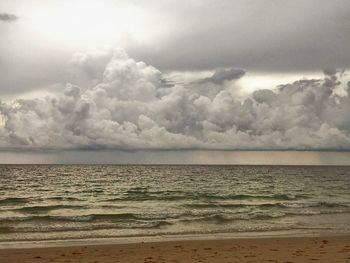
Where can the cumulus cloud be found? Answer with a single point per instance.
(129, 106)
(5, 17)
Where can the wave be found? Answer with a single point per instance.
(13, 201)
(89, 227)
(258, 215)
(224, 218)
(214, 205)
(232, 206)
(48, 208)
(249, 196)
(5, 229)
(121, 217)
(315, 205)
(144, 195)
(64, 198)
(254, 211)
(268, 205)
(147, 197)
(329, 205)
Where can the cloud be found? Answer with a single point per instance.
(224, 74)
(221, 79)
(260, 36)
(128, 106)
(5, 17)
(256, 35)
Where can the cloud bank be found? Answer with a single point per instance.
(126, 104)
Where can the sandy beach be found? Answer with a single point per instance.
(285, 249)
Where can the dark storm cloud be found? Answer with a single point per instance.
(222, 74)
(265, 36)
(330, 71)
(128, 108)
(220, 80)
(271, 35)
(5, 17)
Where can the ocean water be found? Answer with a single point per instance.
(58, 202)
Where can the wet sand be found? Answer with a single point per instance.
(290, 249)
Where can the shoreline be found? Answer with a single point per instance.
(28, 244)
(265, 249)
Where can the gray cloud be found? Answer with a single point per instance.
(259, 36)
(128, 107)
(224, 74)
(269, 35)
(5, 17)
(330, 71)
(221, 79)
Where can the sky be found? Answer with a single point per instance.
(239, 81)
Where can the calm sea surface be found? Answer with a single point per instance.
(54, 202)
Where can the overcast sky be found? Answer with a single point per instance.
(169, 77)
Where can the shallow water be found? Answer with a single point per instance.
(52, 202)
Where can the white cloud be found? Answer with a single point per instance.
(126, 105)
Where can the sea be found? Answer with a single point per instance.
(77, 202)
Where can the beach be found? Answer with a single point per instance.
(174, 132)
(277, 249)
